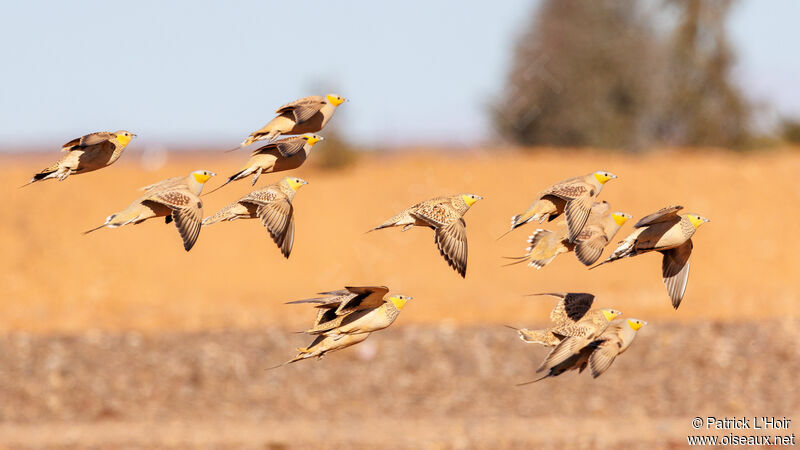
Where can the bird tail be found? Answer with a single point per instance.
(624, 250)
(219, 216)
(234, 177)
(533, 381)
(43, 175)
(105, 224)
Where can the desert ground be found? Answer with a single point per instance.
(122, 339)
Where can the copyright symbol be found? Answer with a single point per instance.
(697, 423)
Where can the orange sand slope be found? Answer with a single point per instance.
(139, 277)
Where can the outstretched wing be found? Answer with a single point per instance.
(675, 271)
(571, 308)
(277, 216)
(187, 213)
(452, 243)
(668, 214)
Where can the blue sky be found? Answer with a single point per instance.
(200, 72)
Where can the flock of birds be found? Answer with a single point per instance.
(579, 336)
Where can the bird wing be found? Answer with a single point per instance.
(187, 213)
(563, 351)
(452, 243)
(349, 299)
(263, 196)
(290, 146)
(577, 212)
(568, 189)
(277, 217)
(668, 214)
(571, 308)
(590, 244)
(302, 109)
(607, 348)
(435, 212)
(163, 183)
(88, 140)
(675, 271)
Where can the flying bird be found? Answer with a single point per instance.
(670, 234)
(600, 353)
(177, 199)
(348, 316)
(283, 154)
(578, 335)
(306, 115)
(572, 197)
(570, 317)
(87, 153)
(445, 216)
(600, 229)
(273, 205)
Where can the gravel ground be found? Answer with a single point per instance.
(411, 386)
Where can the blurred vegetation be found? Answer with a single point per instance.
(790, 130)
(625, 74)
(334, 152)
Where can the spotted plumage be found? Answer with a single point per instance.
(669, 233)
(572, 197)
(601, 352)
(272, 205)
(444, 215)
(177, 198)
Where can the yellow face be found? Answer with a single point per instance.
(312, 139)
(201, 176)
(620, 217)
(610, 314)
(603, 176)
(124, 137)
(336, 100)
(470, 199)
(399, 301)
(295, 183)
(697, 220)
(636, 323)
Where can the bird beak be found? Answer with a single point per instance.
(212, 174)
(320, 138)
(133, 135)
(305, 182)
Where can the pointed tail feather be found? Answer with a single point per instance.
(231, 178)
(532, 381)
(96, 228)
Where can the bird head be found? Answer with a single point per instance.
(399, 301)
(697, 220)
(123, 137)
(602, 176)
(610, 314)
(295, 183)
(201, 176)
(312, 138)
(635, 324)
(621, 217)
(470, 199)
(336, 100)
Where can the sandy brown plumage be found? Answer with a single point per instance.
(669, 233)
(601, 352)
(347, 316)
(572, 197)
(272, 205)
(86, 154)
(177, 199)
(444, 215)
(570, 309)
(277, 156)
(306, 115)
